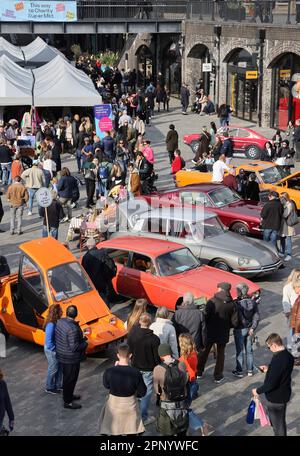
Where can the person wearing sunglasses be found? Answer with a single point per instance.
(277, 384)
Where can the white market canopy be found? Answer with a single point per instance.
(57, 83)
(15, 84)
(36, 53)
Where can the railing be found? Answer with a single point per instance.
(260, 11)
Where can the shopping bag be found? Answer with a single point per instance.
(264, 420)
(256, 413)
(251, 412)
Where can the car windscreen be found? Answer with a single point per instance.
(68, 280)
(272, 174)
(175, 262)
(223, 196)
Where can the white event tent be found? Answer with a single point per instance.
(15, 84)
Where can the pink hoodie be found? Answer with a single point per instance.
(148, 154)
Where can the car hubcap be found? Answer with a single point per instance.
(252, 152)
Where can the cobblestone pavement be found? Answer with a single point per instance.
(223, 406)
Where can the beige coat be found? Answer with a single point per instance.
(34, 177)
(121, 416)
(286, 230)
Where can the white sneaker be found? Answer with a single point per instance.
(29, 213)
(149, 420)
(64, 220)
(281, 255)
(73, 205)
(288, 258)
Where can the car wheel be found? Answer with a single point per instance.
(3, 330)
(253, 152)
(194, 146)
(221, 264)
(240, 228)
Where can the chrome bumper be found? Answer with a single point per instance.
(263, 270)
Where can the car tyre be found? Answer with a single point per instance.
(221, 264)
(253, 152)
(240, 228)
(194, 146)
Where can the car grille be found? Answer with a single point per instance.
(272, 266)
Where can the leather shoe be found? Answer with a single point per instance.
(76, 398)
(72, 406)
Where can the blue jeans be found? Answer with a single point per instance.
(79, 159)
(53, 232)
(6, 173)
(102, 188)
(195, 422)
(223, 122)
(192, 390)
(54, 374)
(286, 245)
(32, 192)
(271, 236)
(243, 342)
(47, 176)
(145, 401)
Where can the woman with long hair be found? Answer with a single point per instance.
(289, 297)
(287, 230)
(268, 153)
(213, 131)
(139, 308)
(189, 357)
(54, 374)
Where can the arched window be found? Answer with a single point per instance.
(242, 83)
(285, 90)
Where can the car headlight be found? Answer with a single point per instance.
(243, 260)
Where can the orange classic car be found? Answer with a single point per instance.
(269, 176)
(49, 274)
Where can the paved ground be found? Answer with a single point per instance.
(224, 406)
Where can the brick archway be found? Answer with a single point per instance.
(284, 48)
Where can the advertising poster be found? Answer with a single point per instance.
(38, 11)
(103, 119)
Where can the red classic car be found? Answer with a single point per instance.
(238, 215)
(245, 141)
(162, 271)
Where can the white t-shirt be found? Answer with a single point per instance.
(219, 169)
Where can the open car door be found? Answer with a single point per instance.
(31, 299)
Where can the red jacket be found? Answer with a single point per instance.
(176, 165)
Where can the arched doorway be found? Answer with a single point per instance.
(202, 66)
(242, 84)
(285, 89)
(171, 67)
(144, 65)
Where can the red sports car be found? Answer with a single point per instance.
(162, 271)
(245, 141)
(241, 216)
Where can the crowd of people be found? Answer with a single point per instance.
(163, 361)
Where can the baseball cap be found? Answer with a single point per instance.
(164, 350)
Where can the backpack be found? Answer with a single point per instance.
(245, 309)
(292, 219)
(103, 172)
(174, 384)
(109, 267)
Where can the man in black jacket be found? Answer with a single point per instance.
(218, 315)
(277, 384)
(143, 344)
(271, 215)
(172, 142)
(70, 351)
(188, 319)
(227, 147)
(55, 214)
